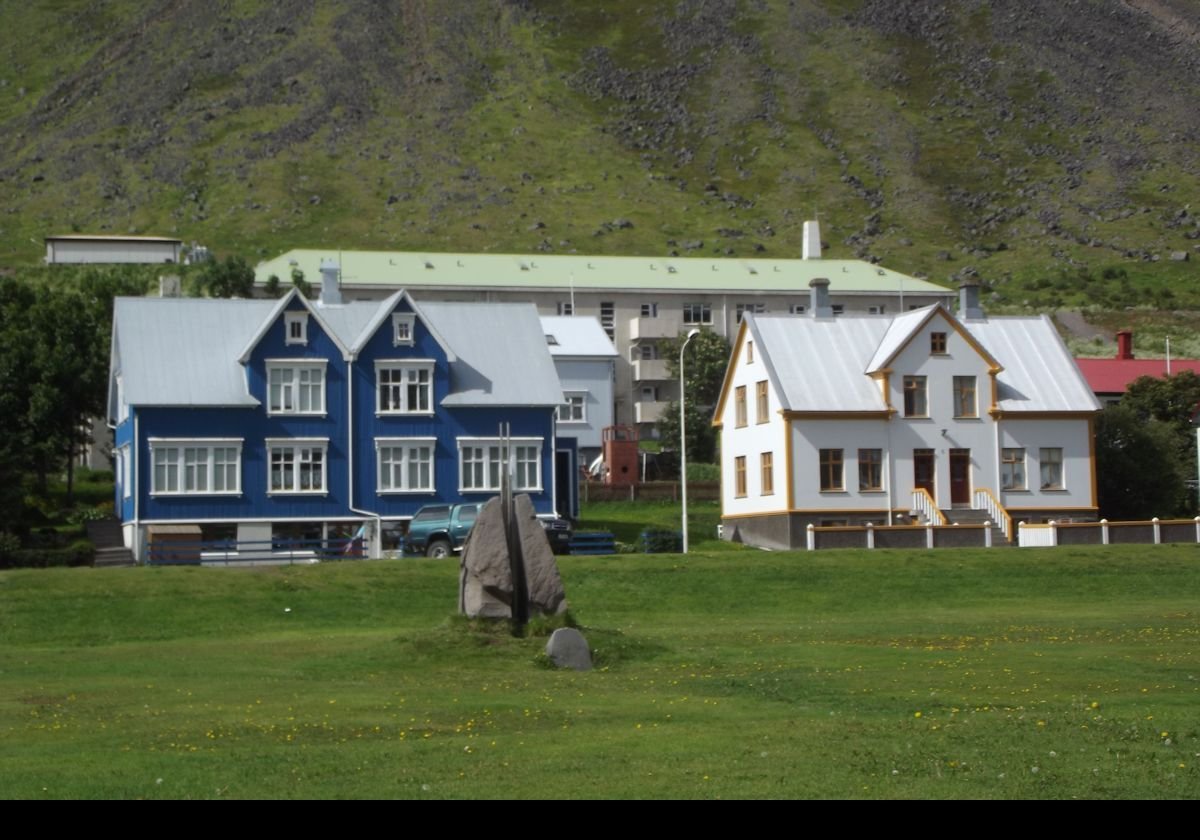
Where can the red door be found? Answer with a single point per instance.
(960, 477)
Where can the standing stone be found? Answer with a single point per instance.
(546, 594)
(485, 587)
(568, 648)
(485, 580)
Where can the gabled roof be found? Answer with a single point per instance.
(191, 351)
(576, 335)
(1114, 376)
(184, 351)
(824, 364)
(501, 354)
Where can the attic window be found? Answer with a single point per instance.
(402, 328)
(937, 343)
(296, 324)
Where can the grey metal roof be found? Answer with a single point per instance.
(576, 335)
(822, 364)
(818, 364)
(502, 358)
(183, 351)
(186, 351)
(1039, 372)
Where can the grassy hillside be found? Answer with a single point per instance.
(1056, 673)
(1015, 139)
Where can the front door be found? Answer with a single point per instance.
(923, 470)
(960, 477)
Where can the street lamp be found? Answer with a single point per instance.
(683, 437)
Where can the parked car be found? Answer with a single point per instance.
(440, 530)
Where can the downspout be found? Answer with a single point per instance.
(136, 539)
(350, 462)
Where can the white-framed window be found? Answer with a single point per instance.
(797, 309)
(402, 328)
(876, 309)
(1050, 460)
(565, 307)
(697, 313)
(297, 465)
(405, 465)
(649, 310)
(574, 407)
(608, 318)
(481, 461)
(295, 387)
(404, 387)
(296, 327)
(206, 466)
(1012, 469)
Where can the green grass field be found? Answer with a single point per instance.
(1009, 673)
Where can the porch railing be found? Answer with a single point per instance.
(986, 500)
(924, 504)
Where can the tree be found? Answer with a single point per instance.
(232, 278)
(704, 373)
(1139, 474)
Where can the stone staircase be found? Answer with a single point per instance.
(106, 536)
(968, 516)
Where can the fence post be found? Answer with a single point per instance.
(987, 533)
(812, 537)
(929, 536)
(1104, 531)
(1157, 531)
(870, 535)
(1053, 532)
(1018, 528)
(1198, 529)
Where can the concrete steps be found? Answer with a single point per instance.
(107, 537)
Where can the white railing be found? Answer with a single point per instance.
(924, 504)
(984, 500)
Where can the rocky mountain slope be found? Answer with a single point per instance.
(1049, 146)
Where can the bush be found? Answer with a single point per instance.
(78, 553)
(661, 541)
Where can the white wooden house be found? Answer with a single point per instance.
(925, 416)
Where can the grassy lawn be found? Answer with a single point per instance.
(1009, 673)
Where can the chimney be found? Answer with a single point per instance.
(968, 301)
(169, 285)
(331, 295)
(819, 305)
(1124, 344)
(811, 246)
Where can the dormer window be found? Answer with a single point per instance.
(937, 343)
(296, 324)
(402, 329)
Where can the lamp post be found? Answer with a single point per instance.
(683, 437)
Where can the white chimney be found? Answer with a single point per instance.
(331, 295)
(812, 241)
(969, 308)
(169, 285)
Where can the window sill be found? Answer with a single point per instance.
(1016, 490)
(874, 491)
(404, 414)
(494, 490)
(967, 417)
(427, 492)
(297, 492)
(1055, 490)
(835, 492)
(572, 422)
(297, 413)
(168, 494)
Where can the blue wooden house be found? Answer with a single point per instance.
(263, 422)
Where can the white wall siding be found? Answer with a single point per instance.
(595, 378)
(751, 441)
(810, 436)
(1074, 438)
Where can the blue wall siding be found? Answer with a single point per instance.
(447, 426)
(254, 426)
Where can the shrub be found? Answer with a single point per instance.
(661, 541)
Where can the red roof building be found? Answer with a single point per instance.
(1110, 378)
